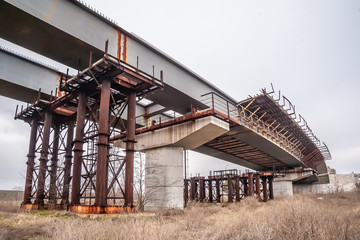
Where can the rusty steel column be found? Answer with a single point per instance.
(78, 149)
(67, 163)
(186, 191)
(210, 190)
(129, 158)
(271, 188)
(40, 192)
(251, 183)
(54, 162)
(237, 189)
(257, 185)
(265, 192)
(230, 190)
(192, 189)
(246, 187)
(201, 190)
(31, 161)
(217, 186)
(103, 145)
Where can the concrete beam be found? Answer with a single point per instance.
(188, 135)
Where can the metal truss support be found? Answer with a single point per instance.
(40, 193)
(31, 161)
(78, 149)
(103, 146)
(129, 158)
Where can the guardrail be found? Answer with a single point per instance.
(242, 116)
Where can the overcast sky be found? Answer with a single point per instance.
(309, 49)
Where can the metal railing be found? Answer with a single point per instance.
(240, 115)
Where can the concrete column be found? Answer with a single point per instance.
(164, 179)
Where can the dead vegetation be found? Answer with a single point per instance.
(301, 217)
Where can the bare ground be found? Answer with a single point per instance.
(300, 217)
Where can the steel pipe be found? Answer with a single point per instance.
(31, 161)
(130, 141)
(103, 145)
(40, 193)
(78, 148)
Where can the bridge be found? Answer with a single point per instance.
(128, 94)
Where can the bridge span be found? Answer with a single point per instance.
(131, 95)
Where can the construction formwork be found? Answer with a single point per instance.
(72, 162)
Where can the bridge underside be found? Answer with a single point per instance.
(249, 149)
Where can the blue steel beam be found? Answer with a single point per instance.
(67, 31)
(21, 78)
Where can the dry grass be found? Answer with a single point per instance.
(300, 217)
(10, 206)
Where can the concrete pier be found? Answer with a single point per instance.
(283, 186)
(164, 178)
(164, 158)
